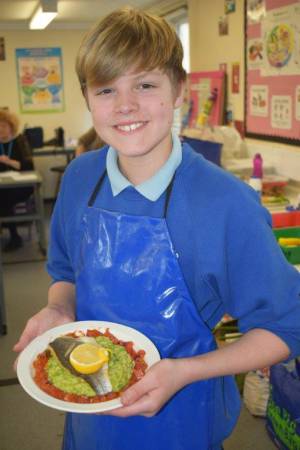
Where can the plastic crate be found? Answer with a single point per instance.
(292, 254)
(286, 219)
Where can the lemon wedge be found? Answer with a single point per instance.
(88, 358)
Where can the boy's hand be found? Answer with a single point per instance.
(148, 396)
(48, 317)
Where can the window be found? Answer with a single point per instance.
(179, 20)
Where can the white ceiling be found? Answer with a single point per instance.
(15, 14)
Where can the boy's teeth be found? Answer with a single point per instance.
(131, 127)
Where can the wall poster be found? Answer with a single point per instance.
(272, 59)
(40, 79)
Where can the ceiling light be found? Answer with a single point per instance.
(44, 14)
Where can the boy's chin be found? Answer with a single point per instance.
(131, 152)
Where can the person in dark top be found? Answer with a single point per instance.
(15, 154)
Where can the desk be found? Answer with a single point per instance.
(69, 152)
(48, 158)
(25, 179)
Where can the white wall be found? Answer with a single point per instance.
(76, 118)
(208, 49)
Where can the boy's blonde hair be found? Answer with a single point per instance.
(11, 119)
(129, 38)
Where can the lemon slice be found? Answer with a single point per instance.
(88, 358)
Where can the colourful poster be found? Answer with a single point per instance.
(281, 36)
(281, 112)
(40, 79)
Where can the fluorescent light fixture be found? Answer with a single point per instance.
(44, 14)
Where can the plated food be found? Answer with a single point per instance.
(88, 367)
(85, 366)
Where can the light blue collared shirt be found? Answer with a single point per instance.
(156, 185)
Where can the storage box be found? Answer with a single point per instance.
(286, 219)
(292, 254)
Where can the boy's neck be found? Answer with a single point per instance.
(139, 169)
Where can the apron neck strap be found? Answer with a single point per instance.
(96, 189)
(168, 196)
(99, 184)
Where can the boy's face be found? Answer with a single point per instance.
(134, 114)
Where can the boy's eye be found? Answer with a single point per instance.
(104, 91)
(146, 86)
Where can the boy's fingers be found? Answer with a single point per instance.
(26, 337)
(17, 346)
(140, 407)
(135, 392)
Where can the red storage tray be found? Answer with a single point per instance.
(286, 219)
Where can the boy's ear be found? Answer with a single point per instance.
(179, 97)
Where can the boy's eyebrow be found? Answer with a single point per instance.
(135, 76)
(146, 73)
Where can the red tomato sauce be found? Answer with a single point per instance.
(41, 376)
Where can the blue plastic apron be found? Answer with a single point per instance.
(128, 272)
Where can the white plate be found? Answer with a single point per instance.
(25, 370)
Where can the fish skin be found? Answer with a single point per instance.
(63, 346)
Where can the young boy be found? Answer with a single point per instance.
(148, 234)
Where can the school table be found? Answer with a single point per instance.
(50, 160)
(10, 180)
(69, 152)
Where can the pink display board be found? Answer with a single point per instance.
(273, 70)
(206, 96)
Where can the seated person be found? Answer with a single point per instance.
(89, 141)
(15, 154)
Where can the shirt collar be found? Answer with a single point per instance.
(152, 188)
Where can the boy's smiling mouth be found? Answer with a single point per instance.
(130, 127)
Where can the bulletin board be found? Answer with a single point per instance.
(201, 86)
(272, 61)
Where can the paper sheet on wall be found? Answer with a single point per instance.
(259, 95)
(255, 54)
(281, 112)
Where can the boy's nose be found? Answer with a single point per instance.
(126, 103)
